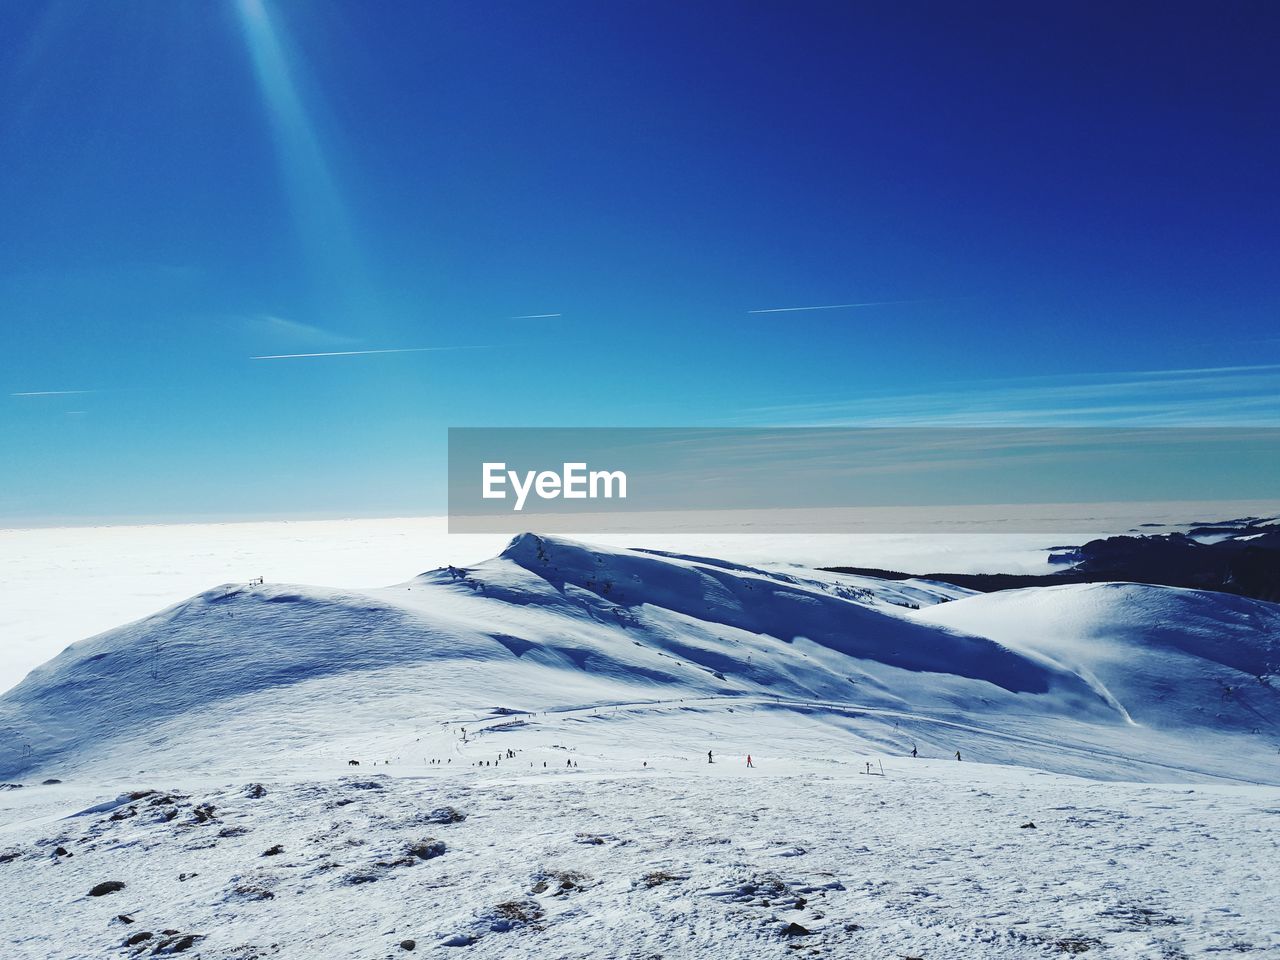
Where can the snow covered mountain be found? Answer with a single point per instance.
(512, 760)
(1111, 681)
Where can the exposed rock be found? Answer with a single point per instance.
(427, 849)
(251, 891)
(514, 913)
(445, 815)
(655, 878)
(560, 882)
(177, 943)
(107, 886)
(408, 944)
(203, 813)
(1075, 945)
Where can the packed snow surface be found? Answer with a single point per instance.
(532, 737)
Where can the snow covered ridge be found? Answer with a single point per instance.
(1110, 681)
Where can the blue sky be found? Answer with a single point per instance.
(1062, 216)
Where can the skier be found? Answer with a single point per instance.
(709, 760)
(913, 750)
(749, 763)
(957, 754)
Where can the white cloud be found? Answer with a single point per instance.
(297, 330)
(1228, 395)
(361, 353)
(839, 306)
(50, 393)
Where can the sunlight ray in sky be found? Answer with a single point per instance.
(321, 219)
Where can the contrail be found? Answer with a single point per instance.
(536, 316)
(838, 306)
(361, 353)
(50, 393)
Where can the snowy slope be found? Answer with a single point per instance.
(1167, 658)
(677, 859)
(269, 674)
(548, 624)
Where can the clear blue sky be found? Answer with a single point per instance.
(1077, 204)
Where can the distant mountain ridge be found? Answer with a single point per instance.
(1238, 557)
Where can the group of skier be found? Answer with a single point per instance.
(915, 754)
(510, 754)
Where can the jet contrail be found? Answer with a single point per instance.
(536, 316)
(50, 393)
(361, 353)
(838, 306)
